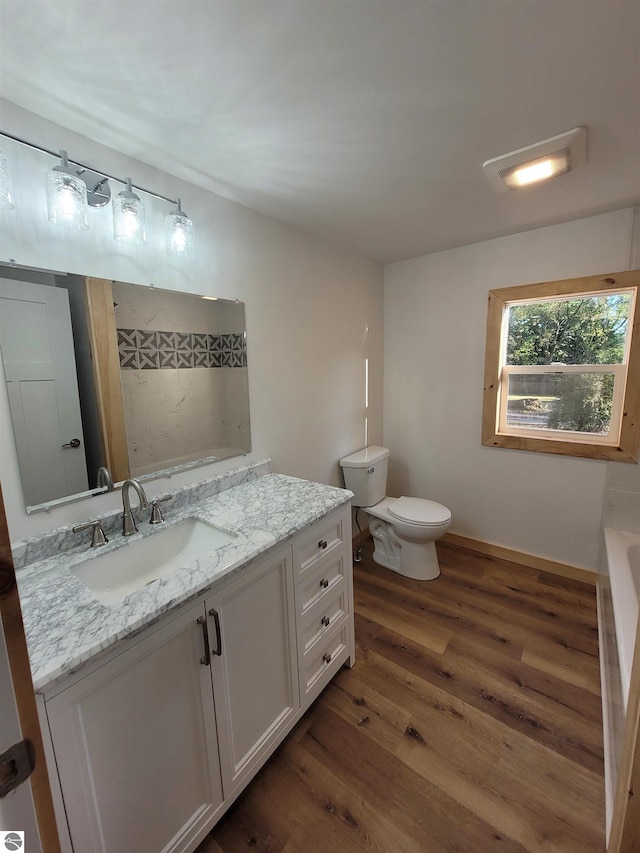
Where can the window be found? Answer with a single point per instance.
(562, 367)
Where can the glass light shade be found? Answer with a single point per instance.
(66, 197)
(129, 218)
(179, 230)
(6, 202)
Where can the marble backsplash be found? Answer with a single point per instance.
(33, 549)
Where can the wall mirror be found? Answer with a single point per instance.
(139, 380)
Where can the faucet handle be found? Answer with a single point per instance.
(156, 513)
(98, 536)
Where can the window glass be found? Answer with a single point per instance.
(573, 402)
(586, 330)
(555, 338)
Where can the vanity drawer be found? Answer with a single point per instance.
(325, 537)
(322, 619)
(322, 663)
(320, 585)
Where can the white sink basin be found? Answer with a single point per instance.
(113, 576)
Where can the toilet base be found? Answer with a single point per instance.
(417, 560)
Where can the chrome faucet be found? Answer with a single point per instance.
(128, 522)
(104, 479)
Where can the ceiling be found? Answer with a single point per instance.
(366, 122)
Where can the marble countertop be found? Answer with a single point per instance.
(66, 626)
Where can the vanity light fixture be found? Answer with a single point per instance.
(179, 232)
(539, 162)
(73, 187)
(129, 217)
(6, 202)
(66, 196)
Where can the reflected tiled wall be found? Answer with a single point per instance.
(183, 368)
(140, 349)
(622, 499)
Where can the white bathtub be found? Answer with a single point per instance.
(618, 608)
(623, 560)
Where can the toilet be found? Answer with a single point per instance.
(404, 529)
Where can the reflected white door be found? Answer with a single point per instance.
(17, 813)
(40, 370)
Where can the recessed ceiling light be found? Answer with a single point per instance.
(539, 162)
(536, 170)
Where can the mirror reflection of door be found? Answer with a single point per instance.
(40, 371)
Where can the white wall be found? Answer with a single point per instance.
(313, 311)
(434, 339)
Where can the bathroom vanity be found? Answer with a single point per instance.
(158, 709)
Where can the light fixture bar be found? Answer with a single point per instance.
(56, 154)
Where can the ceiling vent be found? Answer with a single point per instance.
(538, 162)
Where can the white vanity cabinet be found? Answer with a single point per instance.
(136, 746)
(156, 741)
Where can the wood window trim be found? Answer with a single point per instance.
(628, 448)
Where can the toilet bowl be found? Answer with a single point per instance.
(404, 529)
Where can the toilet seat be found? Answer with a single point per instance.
(419, 511)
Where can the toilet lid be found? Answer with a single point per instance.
(419, 511)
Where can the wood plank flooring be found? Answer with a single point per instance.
(471, 723)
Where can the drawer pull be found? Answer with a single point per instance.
(326, 657)
(322, 544)
(324, 583)
(325, 621)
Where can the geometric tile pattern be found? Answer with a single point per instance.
(143, 350)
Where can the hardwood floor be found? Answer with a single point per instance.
(471, 722)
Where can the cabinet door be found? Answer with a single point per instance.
(255, 676)
(135, 746)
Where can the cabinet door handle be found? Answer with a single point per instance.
(326, 657)
(325, 621)
(324, 583)
(216, 623)
(322, 544)
(205, 660)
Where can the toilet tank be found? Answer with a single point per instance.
(365, 474)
